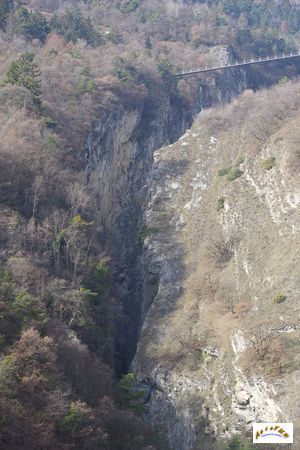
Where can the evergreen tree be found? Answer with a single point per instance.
(5, 7)
(24, 72)
(166, 68)
(129, 397)
(73, 26)
(239, 443)
(31, 24)
(148, 44)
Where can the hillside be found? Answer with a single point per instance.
(220, 341)
(87, 94)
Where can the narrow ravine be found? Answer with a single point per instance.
(119, 154)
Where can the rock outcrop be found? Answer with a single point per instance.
(221, 273)
(119, 154)
(205, 268)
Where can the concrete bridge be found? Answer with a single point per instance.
(243, 63)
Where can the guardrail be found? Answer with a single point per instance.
(240, 64)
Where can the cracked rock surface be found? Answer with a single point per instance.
(220, 336)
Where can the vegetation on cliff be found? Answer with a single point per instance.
(222, 328)
(61, 64)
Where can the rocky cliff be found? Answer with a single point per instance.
(119, 153)
(203, 243)
(218, 348)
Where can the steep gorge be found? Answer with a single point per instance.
(119, 154)
(219, 345)
(137, 236)
(194, 386)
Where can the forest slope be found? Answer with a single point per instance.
(63, 66)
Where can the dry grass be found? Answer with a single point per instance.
(268, 354)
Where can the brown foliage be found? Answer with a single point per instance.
(34, 360)
(221, 250)
(267, 351)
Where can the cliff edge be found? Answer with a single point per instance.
(219, 344)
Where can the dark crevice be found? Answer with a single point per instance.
(160, 122)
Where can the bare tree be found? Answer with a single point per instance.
(211, 286)
(261, 341)
(222, 250)
(230, 305)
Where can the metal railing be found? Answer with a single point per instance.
(240, 64)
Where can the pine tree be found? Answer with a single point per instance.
(5, 8)
(31, 24)
(72, 25)
(24, 72)
(148, 44)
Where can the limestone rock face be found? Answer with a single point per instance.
(119, 153)
(220, 330)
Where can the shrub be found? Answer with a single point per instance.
(77, 417)
(99, 278)
(27, 308)
(125, 70)
(240, 161)
(148, 43)
(166, 68)
(85, 84)
(221, 203)
(102, 267)
(114, 36)
(9, 323)
(239, 443)
(234, 174)
(17, 310)
(284, 80)
(243, 37)
(77, 221)
(51, 141)
(129, 6)
(8, 377)
(128, 397)
(50, 122)
(269, 163)
(75, 53)
(231, 8)
(280, 298)
(224, 171)
(145, 232)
